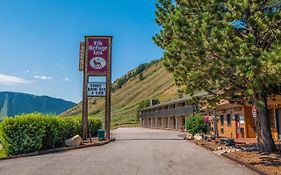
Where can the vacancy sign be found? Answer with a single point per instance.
(99, 50)
(96, 89)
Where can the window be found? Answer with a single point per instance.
(222, 130)
(222, 119)
(228, 118)
(242, 119)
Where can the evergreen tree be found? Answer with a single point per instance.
(230, 49)
(141, 105)
(141, 76)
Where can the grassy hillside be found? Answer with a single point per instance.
(156, 83)
(12, 103)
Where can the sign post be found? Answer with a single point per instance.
(97, 62)
(85, 97)
(82, 56)
(108, 101)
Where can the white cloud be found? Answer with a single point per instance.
(12, 80)
(66, 79)
(43, 77)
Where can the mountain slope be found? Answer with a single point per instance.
(155, 83)
(13, 103)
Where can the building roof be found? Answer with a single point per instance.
(181, 100)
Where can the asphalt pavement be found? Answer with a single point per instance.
(136, 151)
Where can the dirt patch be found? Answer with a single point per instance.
(269, 163)
(211, 145)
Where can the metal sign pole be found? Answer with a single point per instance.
(85, 96)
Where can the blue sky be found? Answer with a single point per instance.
(39, 41)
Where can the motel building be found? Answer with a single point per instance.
(233, 120)
(237, 121)
(170, 115)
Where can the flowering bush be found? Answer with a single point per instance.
(206, 119)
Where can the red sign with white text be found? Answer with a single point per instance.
(98, 55)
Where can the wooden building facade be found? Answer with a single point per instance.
(237, 121)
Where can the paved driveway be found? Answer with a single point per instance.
(135, 151)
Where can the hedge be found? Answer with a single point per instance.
(195, 124)
(33, 132)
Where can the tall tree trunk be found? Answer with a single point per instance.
(264, 136)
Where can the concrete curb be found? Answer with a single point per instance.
(206, 147)
(249, 166)
(203, 145)
(56, 150)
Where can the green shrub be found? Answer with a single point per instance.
(141, 105)
(35, 131)
(195, 124)
(93, 125)
(2, 153)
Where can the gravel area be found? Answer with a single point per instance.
(269, 163)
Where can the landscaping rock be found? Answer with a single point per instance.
(213, 137)
(227, 141)
(189, 136)
(219, 152)
(208, 137)
(250, 148)
(198, 137)
(74, 141)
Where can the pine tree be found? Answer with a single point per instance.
(230, 49)
(141, 76)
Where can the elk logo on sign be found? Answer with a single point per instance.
(97, 62)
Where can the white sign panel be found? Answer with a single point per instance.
(96, 89)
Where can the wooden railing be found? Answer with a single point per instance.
(185, 110)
